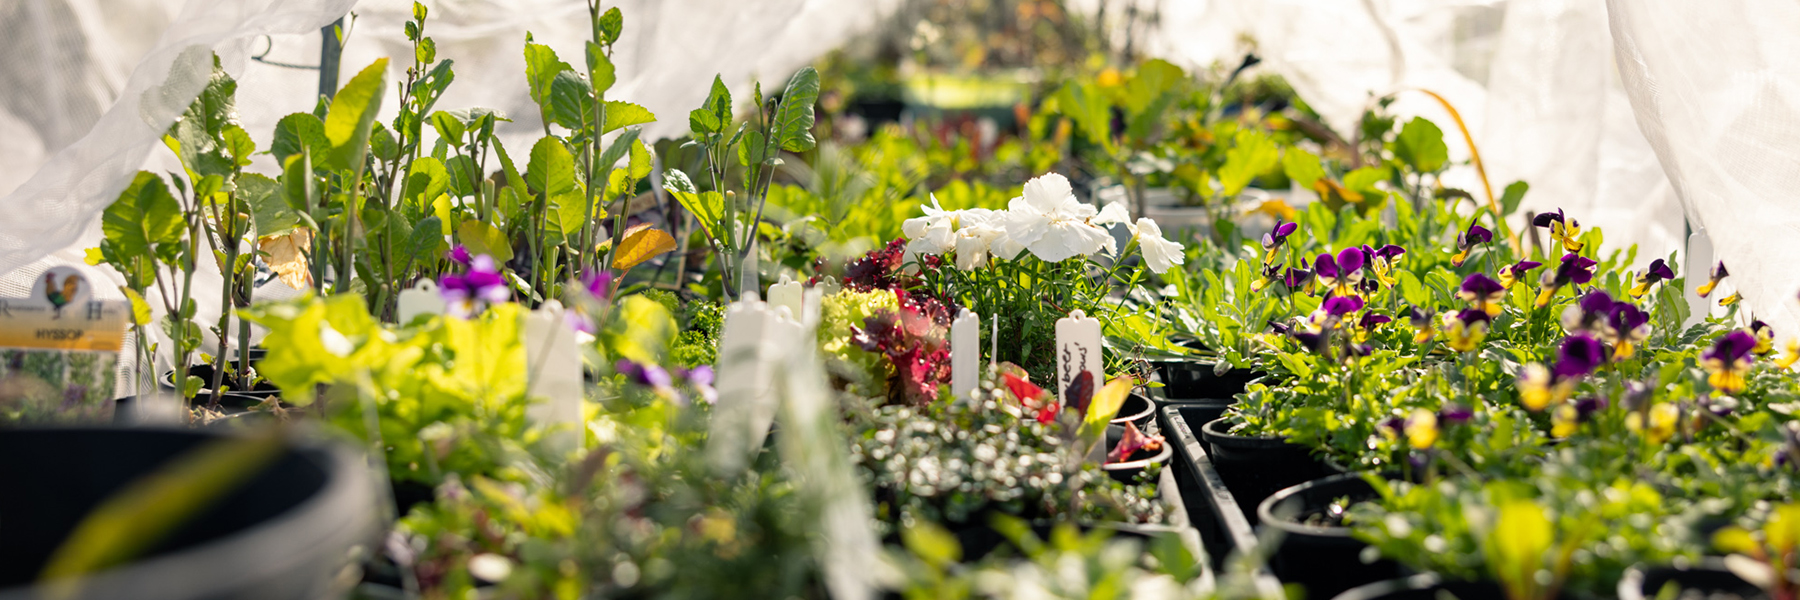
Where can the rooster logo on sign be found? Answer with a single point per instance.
(60, 296)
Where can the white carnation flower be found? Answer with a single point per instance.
(1051, 223)
(1160, 253)
(934, 233)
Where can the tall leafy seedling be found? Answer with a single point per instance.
(783, 124)
(146, 235)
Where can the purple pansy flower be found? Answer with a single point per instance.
(644, 374)
(1466, 242)
(1278, 236)
(1454, 414)
(1483, 292)
(470, 292)
(1579, 355)
(459, 255)
(1341, 273)
(1512, 273)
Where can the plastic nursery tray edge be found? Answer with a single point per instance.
(1224, 506)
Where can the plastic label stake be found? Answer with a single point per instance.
(553, 368)
(421, 299)
(59, 346)
(787, 293)
(965, 353)
(1077, 350)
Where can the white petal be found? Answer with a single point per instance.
(1113, 213)
(1047, 191)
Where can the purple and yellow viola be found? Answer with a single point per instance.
(1340, 274)
(1574, 269)
(1562, 229)
(1515, 272)
(1483, 293)
(1468, 240)
(1728, 361)
(1658, 272)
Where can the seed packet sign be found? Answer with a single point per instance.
(58, 351)
(1077, 350)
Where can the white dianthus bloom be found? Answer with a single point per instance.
(934, 233)
(1051, 223)
(973, 244)
(1160, 253)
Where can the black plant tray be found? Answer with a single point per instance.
(1224, 530)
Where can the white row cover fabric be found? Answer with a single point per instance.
(1535, 80)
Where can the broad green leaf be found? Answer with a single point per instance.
(352, 114)
(427, 239)
(198, 138)
(600, 68)
(1421, 146)
(427, 52)
(269, 210)
(751, 151)
(427, 180)
(297, 130)
(1363, 180)
(572, 101)
(1101, 410)
(625, 114)
(794, 119)
(551, 173)
(1301, 166)
(931, 543)
(143, 217)
(708, 208)
(1515, 193)
(541, 67)
(1252, 153)
(1517, 543)
(140, 309)
(640, 330)
(449, 126)
(238, 145)
(611, 23)
(1089, 108)
(481, 238)
(715, 114)
(640, 244)
(618, 149)
(623, 182)
(382, 143)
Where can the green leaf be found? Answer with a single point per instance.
(1090, 110)
(794, 119)
(352, 114)
(1516, 546)
(145, 214)
(449, 126)
(269, 210)
(640, 330)
(715, 114)
(1509, 200)
(611, 23)
(600, 68)
(382, 143)
(427, 239)
(1421, 146)
(297, 130)
(931, 543)
(625, 114)
(541, 67)
(1252, 153)
(751, 151)
(708, 208)
(427, 52)
(1302, 167)
(482, 238)
(572, 101)
(551, 173)
(427, 180)
(1363, 180)
(238, 145)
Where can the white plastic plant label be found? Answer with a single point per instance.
(786, 293)
(421, 299)
(965, 353)
(553, 365)
(754, 344)
(1077, 349)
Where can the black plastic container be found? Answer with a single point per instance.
(1256, 467)
(1427, 586)
(1211, 509)
(1314, 550)
(1710, 577)
(1190, 379)
(284, 534)
(1136, 409)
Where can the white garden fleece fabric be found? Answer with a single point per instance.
(1645, 117)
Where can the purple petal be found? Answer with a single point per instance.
(1420, 317)
(1731, 347)
(1519, 268)
(1373, 319)
(1471, 316)
(1579, 355)
(1286, 229)
(1544, 219)
(1351, 260)
(1590, 405)
(1481, 286)
(1597, 302)
(459, 255)
(701, 375)
(1453, 413)
(483, 264)
(1339, 306)
(1661, 269)
(1326, 266)
(1477, 235)
(1389, 252)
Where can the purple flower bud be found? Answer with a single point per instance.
(1660, 270)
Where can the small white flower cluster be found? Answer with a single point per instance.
(1047, 220)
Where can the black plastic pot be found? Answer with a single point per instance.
(1188, 379)
(1427, 586)
(1321, 556)
(1710, 578)
(1224, 529)
(1136, 409)
(1127, 471)
(284, 534)
(1255, 467)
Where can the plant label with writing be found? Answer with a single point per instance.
(1077, 350)
(421, 299)
(59, 347)
(965, 353)
(553, 367)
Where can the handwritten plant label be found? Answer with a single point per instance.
(58, 350)
(965, 353)
(1077, 350)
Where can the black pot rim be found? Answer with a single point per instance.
(1149, 409)
(168, 381)
(1631, 585)
(1265, 511)
(1371, 591)
(1168, 451)
(341, 513)
(1213, 435)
